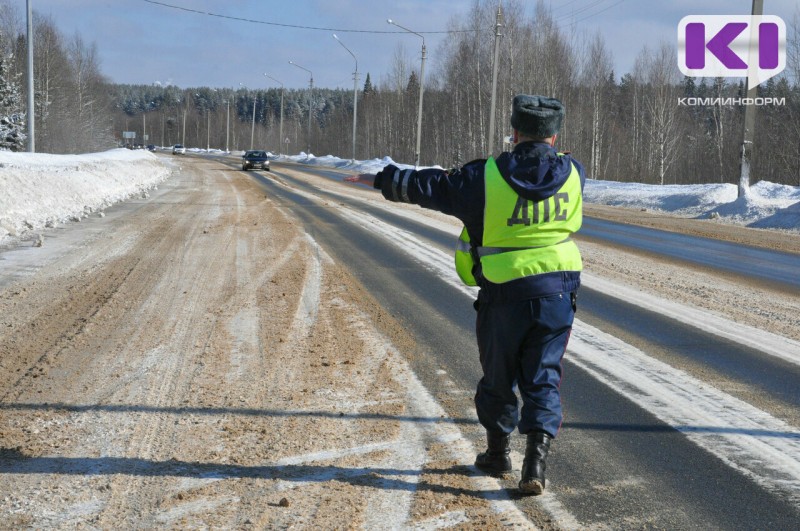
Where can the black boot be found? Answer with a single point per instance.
(495, 460)
(533, 466)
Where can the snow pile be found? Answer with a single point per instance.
(767, 205)
(39, 190)
(358, 166)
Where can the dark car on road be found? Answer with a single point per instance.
(255, 159)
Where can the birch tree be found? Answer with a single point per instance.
(662, 109)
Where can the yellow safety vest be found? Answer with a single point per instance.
(520, 237)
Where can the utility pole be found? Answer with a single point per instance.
(749, 110)
(31, 113)
(310, 90)
(497, 35)
(253, 127)
(355, 94)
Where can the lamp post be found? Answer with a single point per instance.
(355, 94)
(147, 107)
(497, 35)
(228, 126)
(310, 89)
(253, 124)
(31, 112)
(208, 117)
(421, 87)
(280, 127)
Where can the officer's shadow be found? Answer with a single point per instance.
(13, 461)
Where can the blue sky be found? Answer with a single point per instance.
(143, 42)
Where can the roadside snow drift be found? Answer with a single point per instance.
(40, 190)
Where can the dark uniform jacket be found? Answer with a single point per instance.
(533, 170)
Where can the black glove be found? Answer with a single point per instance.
(386, 173)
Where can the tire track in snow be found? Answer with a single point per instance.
(391, 502)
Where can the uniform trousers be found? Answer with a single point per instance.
(521, 346)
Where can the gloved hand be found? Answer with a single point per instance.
(386, 173)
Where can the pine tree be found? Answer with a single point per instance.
(12, 119)
(413, 84)
(368, 88)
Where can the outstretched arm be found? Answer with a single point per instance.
(363, 178)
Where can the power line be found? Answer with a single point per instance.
(587, 17)
(295, 26)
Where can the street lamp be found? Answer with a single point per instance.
(31, 112)
(228, 126)
(355, 95)
(310, 89)
(497, 35)
(280, 128)
(144, 124)
(421, 85)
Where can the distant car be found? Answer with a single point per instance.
(151, 147)
(178, 149)
(255, 158)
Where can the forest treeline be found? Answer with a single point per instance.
(650, 125)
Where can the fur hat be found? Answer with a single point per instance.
(537, 116)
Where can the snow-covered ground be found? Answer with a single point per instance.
(39, 191)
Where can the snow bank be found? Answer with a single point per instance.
(767, 205)
(40, 190)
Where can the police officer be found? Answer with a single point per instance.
(519, 211)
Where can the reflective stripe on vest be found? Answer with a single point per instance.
(534, 236)
(464, 260)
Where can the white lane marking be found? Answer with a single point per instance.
(757, 339)
(749, 440)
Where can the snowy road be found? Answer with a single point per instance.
(266, 350)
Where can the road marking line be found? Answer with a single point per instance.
(755, 338)
(747, 439)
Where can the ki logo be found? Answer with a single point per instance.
(732, 46)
